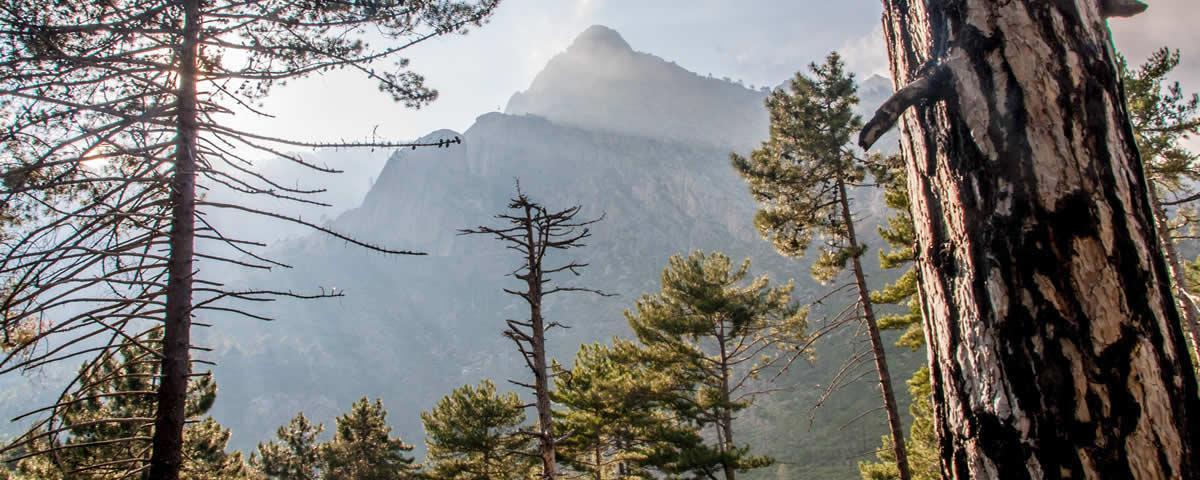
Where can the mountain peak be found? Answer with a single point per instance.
(601, 83)
(599, 38)
(876, 81)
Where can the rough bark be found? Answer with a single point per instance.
(1183, 300)
(895, 427)
(1055, 346)
(167, 445)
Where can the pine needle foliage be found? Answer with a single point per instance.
(719, 330)
(474, 434)
(363, 448)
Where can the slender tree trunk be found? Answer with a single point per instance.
(881, 366)
(542, 391)
(1187, 309)
(541, 383)
(167, 445)
(726, 414)
(727, 429)
(596, 452)
(1055, 346)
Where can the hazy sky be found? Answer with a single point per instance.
(759, 41)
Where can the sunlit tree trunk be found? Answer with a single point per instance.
(1055, 345)
(167, 447)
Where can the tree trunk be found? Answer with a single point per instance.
(1187, 309)
(895, 427)
(726, 415)
(727, 429)
(599, 471)
(541, 383)
(1055, 346)
(542, 390)
(167, 445)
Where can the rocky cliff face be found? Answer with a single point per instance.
(625, 134)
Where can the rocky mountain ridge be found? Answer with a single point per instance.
(652, 159)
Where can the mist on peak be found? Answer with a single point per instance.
(600, 82)
(600, 39)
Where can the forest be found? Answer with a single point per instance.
(997, 257)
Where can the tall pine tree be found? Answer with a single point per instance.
(117, 113)
(801, 177)
(1163, 117)
(1054, 338)
(899, 234)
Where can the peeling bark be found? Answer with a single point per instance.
(1055, 345)
(166, 456)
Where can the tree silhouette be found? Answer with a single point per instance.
(534, 231)
(116, 117)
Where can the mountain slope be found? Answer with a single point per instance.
(411, 328)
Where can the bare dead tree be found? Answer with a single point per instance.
(533, 231)
(1054, 341)
(115, 122)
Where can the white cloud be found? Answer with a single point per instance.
(866, 55)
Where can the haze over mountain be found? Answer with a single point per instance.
(601, 83)
(629, 136)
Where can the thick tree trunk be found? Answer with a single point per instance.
(1054, 343)
(895, 427)
(1187, 308)
(166, 455)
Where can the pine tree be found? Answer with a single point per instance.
(1160, 119)
(801, 177)
(706, 327)
(1163, 118)
(620, 413)
(900, 237)
(204, 454)
(1055, 341)
(922, 439)
(146, 89)
(121, 386)
(295, 454)
(363, 448)
(474, 434)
